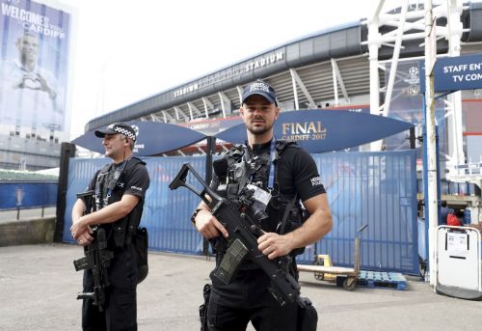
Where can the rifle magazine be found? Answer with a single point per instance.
(232, 259)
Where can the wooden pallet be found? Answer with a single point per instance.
(378, 279)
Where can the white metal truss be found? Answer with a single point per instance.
(298, 82)
(207, 106)
(193, 109)
(338, 80)
(167, 117)
(225, 103)
(295, 91)
(240, 94)
(180, 112)
(410, 25)
(156, 118)
(396, 54)
(151, 118)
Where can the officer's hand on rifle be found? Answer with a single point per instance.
(274, 245)
(85, 239)
(208, 225)
(81, 232)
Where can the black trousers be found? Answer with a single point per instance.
(120, 310)
(231, 307)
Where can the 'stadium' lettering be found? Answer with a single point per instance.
(261, 62)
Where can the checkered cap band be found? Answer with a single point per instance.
(116, 128)
(125, 132)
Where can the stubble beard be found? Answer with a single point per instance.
(259, 130)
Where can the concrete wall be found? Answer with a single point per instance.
(27, 232)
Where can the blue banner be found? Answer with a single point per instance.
(153, 138)
(320, 131)
(210, 127)
(27, 195)
(34, 66)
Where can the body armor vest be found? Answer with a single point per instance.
(109, 189)
(239, 169)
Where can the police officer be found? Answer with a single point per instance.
(284, 173)
(120, 189)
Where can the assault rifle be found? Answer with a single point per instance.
(89, 200)
(243, 234)
(97, 259)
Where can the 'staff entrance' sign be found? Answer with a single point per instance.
(455, 73)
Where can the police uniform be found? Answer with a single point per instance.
(120, 311)
(247, 297)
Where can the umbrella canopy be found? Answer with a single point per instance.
(320, 131)
(152, 138)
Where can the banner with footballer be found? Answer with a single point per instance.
(34, 63)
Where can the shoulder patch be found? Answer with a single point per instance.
(316, 181)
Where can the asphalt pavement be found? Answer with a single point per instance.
(39, 285)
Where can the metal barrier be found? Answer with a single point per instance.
(378, 189)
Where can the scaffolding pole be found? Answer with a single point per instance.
(430, 168)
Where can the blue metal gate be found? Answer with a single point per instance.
(378, 189)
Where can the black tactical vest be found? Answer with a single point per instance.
(109, 188)
(238, 169)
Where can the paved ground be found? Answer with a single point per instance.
(38, 287)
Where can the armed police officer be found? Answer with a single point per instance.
(282, 174)
(120, 189)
